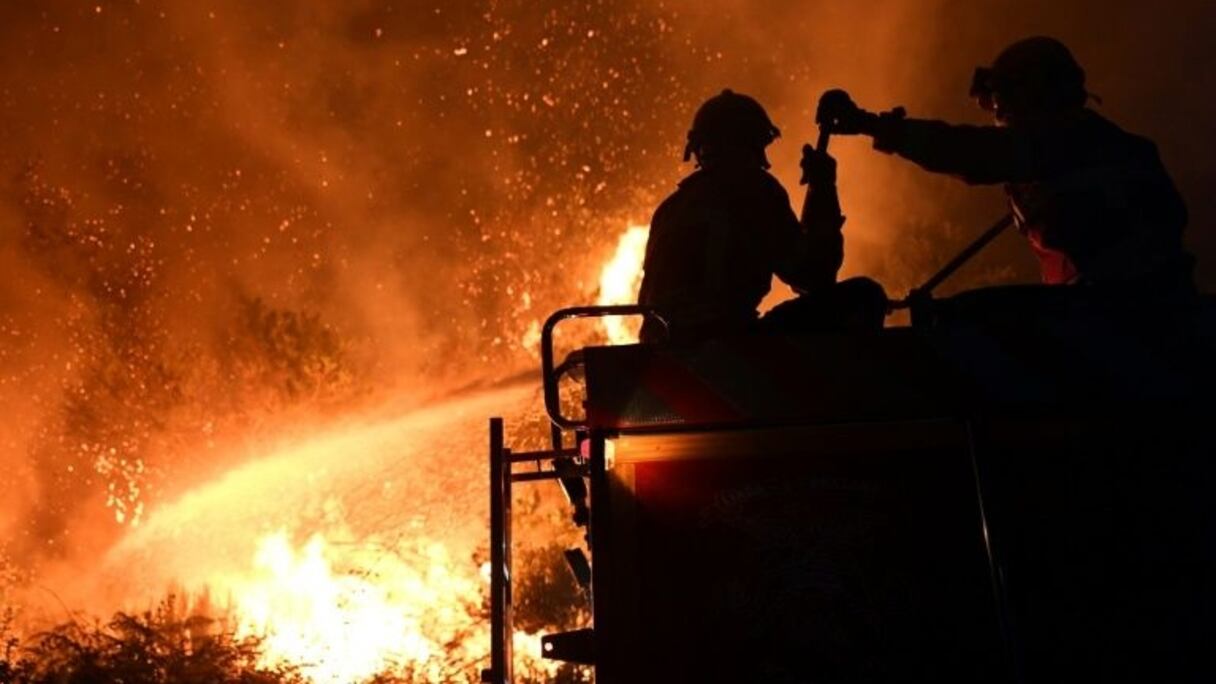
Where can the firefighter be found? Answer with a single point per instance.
(1094, 202)
(717, 241)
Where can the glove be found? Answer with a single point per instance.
(818, 168)
(842, 116)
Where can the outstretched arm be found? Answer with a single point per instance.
(977, 154)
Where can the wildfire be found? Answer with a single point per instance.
(348, 614)
(620, 279)
(351, 553)
(350, 625)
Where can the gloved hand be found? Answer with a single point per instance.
(842, 116)
(818, 168)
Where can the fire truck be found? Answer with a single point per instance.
(1017, 487)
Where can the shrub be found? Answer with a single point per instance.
(161, 646)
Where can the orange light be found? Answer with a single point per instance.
(323, 592)
(620, 280)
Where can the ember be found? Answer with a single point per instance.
(254, 256)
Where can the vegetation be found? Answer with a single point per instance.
(161, 646)
(173, 644)
(292, 352)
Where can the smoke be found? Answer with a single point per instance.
(218, 214)
(1151, 66)
(213, 215)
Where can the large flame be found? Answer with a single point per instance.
(620, 279)
(351, 553)
(377, 614)
(346, 614)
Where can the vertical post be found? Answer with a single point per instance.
(500, 559)
(598, 533)
(996, 576)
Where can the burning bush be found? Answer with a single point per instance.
(176, 643)
(293, 352)
(167, 644)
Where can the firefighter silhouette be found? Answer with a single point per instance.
(1094, 202)
(717, 241)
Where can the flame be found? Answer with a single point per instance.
(620, 279)
(351, 552)
(348, 626)
(349, 614)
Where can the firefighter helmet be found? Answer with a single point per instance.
(730, 119)
(1037, 72)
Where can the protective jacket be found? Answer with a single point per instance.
(716, 243)
(1094, 201)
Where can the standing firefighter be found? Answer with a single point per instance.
(1094, 201)
(716, 242)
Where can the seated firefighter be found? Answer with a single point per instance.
(716, 242)
(1094, 202)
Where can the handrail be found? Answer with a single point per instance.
(551, 375)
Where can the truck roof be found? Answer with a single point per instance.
(1010, 349)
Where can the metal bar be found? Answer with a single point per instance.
(521, 456)
(574, 472)
(825, 136)
(964, 256)
(996, 572)
(508, 569)
(535, 477)
(599, 539)
(500, 559)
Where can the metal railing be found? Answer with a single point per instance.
(552, 374)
